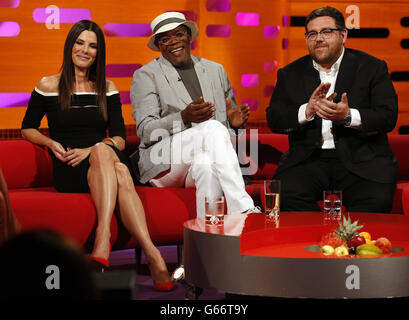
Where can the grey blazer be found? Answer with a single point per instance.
(158, 96)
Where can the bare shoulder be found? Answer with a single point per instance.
(111, 86)
(49, 84)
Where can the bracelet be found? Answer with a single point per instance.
(112, 140)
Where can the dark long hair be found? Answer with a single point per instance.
(96, 72)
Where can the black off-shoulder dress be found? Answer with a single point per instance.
(81, 126)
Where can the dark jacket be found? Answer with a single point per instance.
(369, 89)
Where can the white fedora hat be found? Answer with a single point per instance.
(168, 21)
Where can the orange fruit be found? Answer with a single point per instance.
(367, 237)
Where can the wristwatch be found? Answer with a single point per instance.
(347, 119)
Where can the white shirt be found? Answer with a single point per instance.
(329, 77)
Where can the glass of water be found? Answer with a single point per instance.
(333, 202)
(214, 210)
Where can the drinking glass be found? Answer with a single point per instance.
(333, 202)
(272, 197)
(214, 210)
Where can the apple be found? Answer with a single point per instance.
(341, 251)
(356, 241)
(384, 244)
(327, 250)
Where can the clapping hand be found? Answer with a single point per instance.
(324, 107)
(319, 93)
(237, 116)
(328, 110)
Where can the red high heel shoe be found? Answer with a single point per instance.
(162, 286)
(99, 264)
(165, 286)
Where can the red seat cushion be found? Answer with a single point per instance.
(74, 215)
(25, 164)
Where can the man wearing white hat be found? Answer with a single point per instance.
(184, 108)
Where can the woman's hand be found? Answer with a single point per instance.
(75, 156)
(58, 150)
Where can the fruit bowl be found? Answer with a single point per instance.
(346, 241)
(317, 248)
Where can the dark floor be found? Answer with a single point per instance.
(124, 261)
(122, 265)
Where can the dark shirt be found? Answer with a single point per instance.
(190, 80)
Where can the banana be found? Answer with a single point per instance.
(366, 249)
(367, 253)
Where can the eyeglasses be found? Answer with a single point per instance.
(326, 34)
(165, 40)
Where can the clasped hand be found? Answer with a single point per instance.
(199, 111)
(324, 107)
(72, 156)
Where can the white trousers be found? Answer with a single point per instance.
(203, 157)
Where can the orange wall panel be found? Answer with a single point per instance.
(37, 51)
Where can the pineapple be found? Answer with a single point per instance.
(331, 239)
(347, 229)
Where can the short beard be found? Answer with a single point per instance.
(329, 60)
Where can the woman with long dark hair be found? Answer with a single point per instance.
(81, 105)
